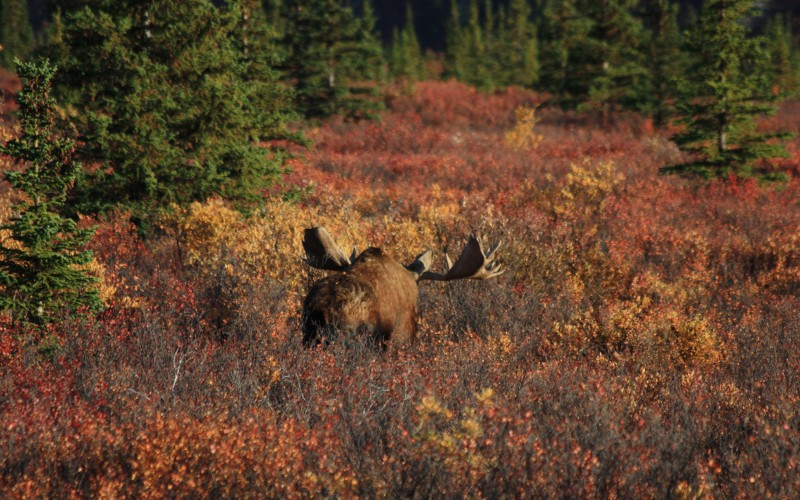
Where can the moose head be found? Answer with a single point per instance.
(372, 292)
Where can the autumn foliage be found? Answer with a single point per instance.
(643, 342)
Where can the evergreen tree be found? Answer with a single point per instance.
(323, 39)
(16, 33)
(517, 49)
(406, 55)
(364, 68)
(666, 61)
(783, 57)
(457, 51)
(720, 97)
(52, 46)
(616, 74)
(467, 57)
(566, 51)
(256, 39)
(174, 102)
(274, 11)
(477, 67)
(40, 263)
(591, 55)
(372, 66)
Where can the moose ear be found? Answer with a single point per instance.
(422, 263)
(323, 253)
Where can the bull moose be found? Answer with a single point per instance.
(374, 293)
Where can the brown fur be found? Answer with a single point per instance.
(376, 294)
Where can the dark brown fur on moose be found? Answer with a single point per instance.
(373, 293)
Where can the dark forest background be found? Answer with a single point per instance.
(431, 15)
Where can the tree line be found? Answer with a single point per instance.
(165, 102)
(603, 56)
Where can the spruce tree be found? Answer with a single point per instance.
(256, 38)
(720, 97)
(174, 104)
(456, 49)
(591, 55)
(782, 63)
(517, 48)
(477, 67)
(566, 52)
(274, 12)
(406, 55)
(257, 41)
(372, 65)
(364, 68)
(66, 6)
(665, 61)
(16, 33)
(616, 76)
(41, 274)
(324, 40)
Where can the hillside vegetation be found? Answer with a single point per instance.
(643, 342)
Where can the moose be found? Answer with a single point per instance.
(373, 293)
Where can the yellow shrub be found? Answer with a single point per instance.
(523, 135)
(456, 442)
(106, 289)
(7, 132)
(694, 337)
(586, 188)
(5, 215)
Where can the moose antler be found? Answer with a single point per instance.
(472, 264)
(421, 264)
(323, 253)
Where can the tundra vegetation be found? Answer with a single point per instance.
(642, 341)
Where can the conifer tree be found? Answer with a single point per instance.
(66, 6)
(591, 55)
(364, 68)
(782, 63)
(517, 49)
(372, 65)
(323, 38)
(665, 61)
(173, 104)
(406, 54)
(720, 97)
(477, 66)
(457, 51)
(566, 51)
(274, 12)
(256, 39)
(616, 76)
(40, 262)
(16, 33)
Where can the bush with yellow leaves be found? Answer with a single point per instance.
(524, 135)
(459, 444)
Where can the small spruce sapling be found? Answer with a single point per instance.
(42, 253)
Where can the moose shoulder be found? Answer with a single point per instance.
(373, 293)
